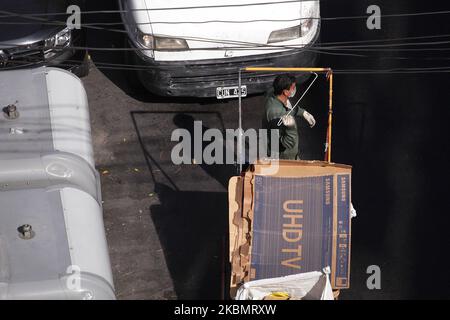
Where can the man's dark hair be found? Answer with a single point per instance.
(283, 82)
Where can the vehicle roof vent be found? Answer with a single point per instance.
(10, 112)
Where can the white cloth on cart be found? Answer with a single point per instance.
(306, 286)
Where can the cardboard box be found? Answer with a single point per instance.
(293, 221)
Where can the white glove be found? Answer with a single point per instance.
(288, 120)
(309, 118)
(288, 104)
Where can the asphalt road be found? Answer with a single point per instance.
(167, 224)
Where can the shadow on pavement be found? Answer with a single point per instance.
(192, 226)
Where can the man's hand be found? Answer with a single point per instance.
(309, 118)
(288, 120)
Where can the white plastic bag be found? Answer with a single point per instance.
(305, 286)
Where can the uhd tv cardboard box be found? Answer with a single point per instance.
(291, 221)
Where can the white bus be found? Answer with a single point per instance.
(52, 237)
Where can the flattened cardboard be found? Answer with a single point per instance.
(292, 226)
(326, 233)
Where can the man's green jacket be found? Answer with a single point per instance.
(274, 109)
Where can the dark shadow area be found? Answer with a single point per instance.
(221, 172)
(390, 127)
(192, 226)
(312, 140)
